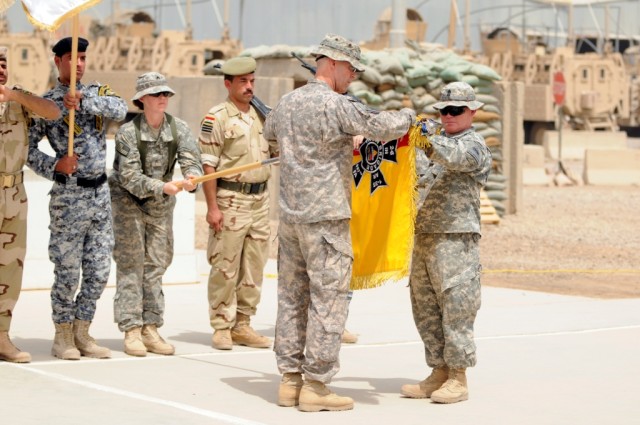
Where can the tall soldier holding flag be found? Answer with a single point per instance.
(80, 207)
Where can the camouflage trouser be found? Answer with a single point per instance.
(142, 253)
(445, 296)
(13, 247)
(237, 256)
(314, 271)
(81, 240)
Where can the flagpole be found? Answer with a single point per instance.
(72, 83)
(230, 171)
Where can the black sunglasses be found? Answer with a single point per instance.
(162, 93)
(454, 111)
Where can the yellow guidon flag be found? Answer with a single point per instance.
(49, 14)
(383, 204)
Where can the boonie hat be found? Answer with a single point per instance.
(339, 48)
(150, 83)
(3, 53)
(458, 94)
(239, 66)
(64, 46)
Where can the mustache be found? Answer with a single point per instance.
(248, 92)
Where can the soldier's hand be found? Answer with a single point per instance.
(72, 102)
(170, 189)
(357, 141)
(215, 219)
(5, 93)
(67, 164)
(187, 183)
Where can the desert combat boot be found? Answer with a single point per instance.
(85, 342)
(11, 353)
(133, 345)
(315, 396)
(289, 390)
(154, 342)
(243, 334)
(454, 390)
(222, 339)
(423, 389)
(63, 346)
(348, 337)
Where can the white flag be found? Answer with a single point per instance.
(50, 14)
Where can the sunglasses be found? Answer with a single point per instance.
(162, 93)
(454, 111)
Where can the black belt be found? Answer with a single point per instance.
(246, 188)
(82, 182)
(10, 180)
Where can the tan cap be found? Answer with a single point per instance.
(239, 66)
(458, 94)
(3, 52)
(339, 48)
(150, 83)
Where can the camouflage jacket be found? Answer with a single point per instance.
(127, 166)
(458, 168)
(225, 142)
(14, 142)
(98, 103)
(314, 127)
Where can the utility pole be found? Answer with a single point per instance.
(398, 31)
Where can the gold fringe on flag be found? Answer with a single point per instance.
(58, 20)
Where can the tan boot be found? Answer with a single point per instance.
(424, 389)
(289, 391)
(11, 353)
(85, 342)
(63, 345)
(243, 334)
(348, 337)
(315, 396)
(154, 342)
(133, 345)
(454, 390)
(222, 339)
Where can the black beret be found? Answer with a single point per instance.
(64, 46)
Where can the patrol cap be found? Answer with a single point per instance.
(339, 48)
(241, 65)
(458, 94)
(3, 53)
(64, 46)
(150, 83)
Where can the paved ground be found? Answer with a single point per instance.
(543, 359)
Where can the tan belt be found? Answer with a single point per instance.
(10, 180)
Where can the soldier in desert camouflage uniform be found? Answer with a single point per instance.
(445, 270)
(314, 126)
(80, 209)
(142, 200)
(17, 107)
(237, 209)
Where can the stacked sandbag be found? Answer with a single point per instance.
(413, 77)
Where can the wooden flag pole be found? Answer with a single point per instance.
(72, 83)
(230, 171)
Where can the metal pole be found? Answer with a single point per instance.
(398, 32)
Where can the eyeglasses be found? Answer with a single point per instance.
(162, 93)
(454, 111)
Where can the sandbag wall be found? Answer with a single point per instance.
(413, 77)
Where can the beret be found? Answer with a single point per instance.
(239, 66)
(64, 46)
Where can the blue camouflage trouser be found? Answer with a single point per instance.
(314, 271)
(81, 240)
(445, 296)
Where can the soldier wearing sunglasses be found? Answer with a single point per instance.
(445, 274)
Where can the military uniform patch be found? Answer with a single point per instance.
(207, 123)
(106, 91)
(122, 148)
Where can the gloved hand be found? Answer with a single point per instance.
(430, 127)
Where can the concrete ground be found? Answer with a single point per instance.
(543, 359)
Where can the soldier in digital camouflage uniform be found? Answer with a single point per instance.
(142, 200)
(314, 126)
(80, 209)
(445, 270)
(17, 108)
(237, 209)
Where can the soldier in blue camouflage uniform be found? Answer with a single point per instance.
(142, 190)
(445, 269)
(17, 108)
(237, 209)
(314, 126)
(80, 208)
